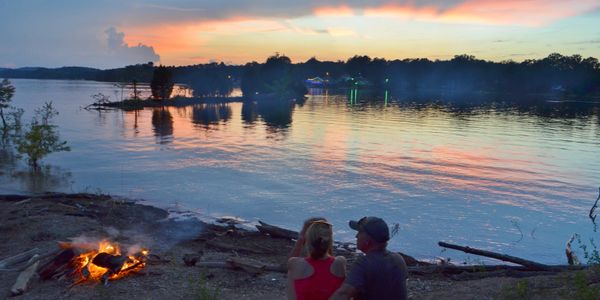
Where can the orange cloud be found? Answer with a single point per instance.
(176, 43)
(403, 11)
(334, 11)
(492, 12)
(517, 12)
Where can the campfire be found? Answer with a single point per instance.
(101, 261)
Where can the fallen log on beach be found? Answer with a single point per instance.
(19, 258)
(277, 232)
(24, 279)
(239, 248)
(454, 269)
(253, 267)
(520, 261)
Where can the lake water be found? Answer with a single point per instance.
(517, 180)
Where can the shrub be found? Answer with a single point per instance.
(41, 137)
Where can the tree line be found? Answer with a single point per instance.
(278, 75)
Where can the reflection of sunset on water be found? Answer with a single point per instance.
(439, 170)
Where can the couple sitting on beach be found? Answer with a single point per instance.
(380, 274)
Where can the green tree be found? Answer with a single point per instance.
(7, 90)
(42, 136)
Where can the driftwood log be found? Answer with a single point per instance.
(571, 256)
(19, 258)
(276, 232)
(23, 280)
(244, 264)
(453, 269)
(249, 265)
(527, 263)
(238, 248)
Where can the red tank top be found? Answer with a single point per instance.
(321, 284)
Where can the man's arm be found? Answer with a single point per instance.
(345, 291)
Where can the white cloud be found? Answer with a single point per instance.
(125, 54)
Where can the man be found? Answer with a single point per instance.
(380, 274)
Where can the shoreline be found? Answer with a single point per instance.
(43, 220)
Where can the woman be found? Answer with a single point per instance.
(318, 275)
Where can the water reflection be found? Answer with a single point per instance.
(45, 179)
(162, 125)
(277, 115)
(550, 106)
(210, 114)
(249, 114)
(444, 167)
(136, 114)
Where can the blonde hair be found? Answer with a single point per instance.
(319, 239)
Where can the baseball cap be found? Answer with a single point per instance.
(375, 227)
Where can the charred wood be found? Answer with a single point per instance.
(114, 263)
(52, 267)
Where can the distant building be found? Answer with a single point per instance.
(316, 82)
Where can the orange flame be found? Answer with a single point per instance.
(87, 270)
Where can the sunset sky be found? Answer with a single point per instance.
(111, 33)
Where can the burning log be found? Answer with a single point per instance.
(113, 263)
(86, 261)
(277, 232)
(23, 280)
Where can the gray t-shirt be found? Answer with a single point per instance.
(379, 275)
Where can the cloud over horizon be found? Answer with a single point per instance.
(125, 54)
(111, 33)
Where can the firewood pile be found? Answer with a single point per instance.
(76, 263)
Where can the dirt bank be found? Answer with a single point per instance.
(40, 222)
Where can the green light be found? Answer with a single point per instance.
(386, 97)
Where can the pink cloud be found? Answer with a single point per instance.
(334, 11)
(517, 12)
(493, 12)
(403, 11)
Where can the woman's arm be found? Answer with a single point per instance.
(338, 268)
(291, 276)
(299, 245)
